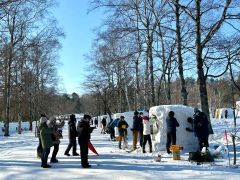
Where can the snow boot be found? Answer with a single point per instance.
(150, 149)
(86, 166)
(67, 154)
(54, 161)
(75, 154)
(45, 166)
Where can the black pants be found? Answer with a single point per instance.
(45, 154)
(72, 144)
(55, 151)
(203, 142)
(141, 138)
(84, 152)
(112, 133)
(39, 148)
(147, 138)
(171, 140)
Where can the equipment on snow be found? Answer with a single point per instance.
(176, 151)
(91, 147)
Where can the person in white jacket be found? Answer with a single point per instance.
(146, 133)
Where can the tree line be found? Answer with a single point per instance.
(153, 52)
(30, 39)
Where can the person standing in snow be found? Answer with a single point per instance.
(84, 130)
(135, 129)
(172, 123)
(111, 125)
(200, 126)
(122, 131)
(46, 140)
(141, 129)
(104, 123)
(96, 122)
(39, 148)
(146, 133)
(72, 134)
(55, 126)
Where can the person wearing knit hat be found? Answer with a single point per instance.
(43, 120)
(84, 135)
(39, 148)
(172, 123)
(135, 129)
(122, 131)
(146, 134)
(46, 139)
(55, 126)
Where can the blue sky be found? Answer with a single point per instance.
(78, 27)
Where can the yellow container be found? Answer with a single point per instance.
(176, 147)
(176, 155)
(118, 138)
(176, 151)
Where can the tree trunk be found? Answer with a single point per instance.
(184, 93)
(126, 91)
(20, 110)
(200, 70)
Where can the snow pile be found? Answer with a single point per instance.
(184, 138)
(13, 127)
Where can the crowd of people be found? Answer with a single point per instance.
(50, 133)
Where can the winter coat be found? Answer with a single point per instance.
(84, 130)
(55, 127)
(121, 129)
(136, 123)
(72, 130)
(200, 124)
(46, 135)
(147, 127)
(141, 124)
(104, 122)
(172, 123)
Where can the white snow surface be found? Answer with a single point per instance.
(18, 160)
(184, 138)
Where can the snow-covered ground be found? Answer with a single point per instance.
(18, 161)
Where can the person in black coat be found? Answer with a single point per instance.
(136, 128)
(72, 134)
(96, 122)
(104, 123)
(172, 123)
(84, 131)
(200, 126)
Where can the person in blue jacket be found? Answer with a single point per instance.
(172, 124)
(111, 125)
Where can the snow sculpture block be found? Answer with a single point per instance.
(184, 138)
